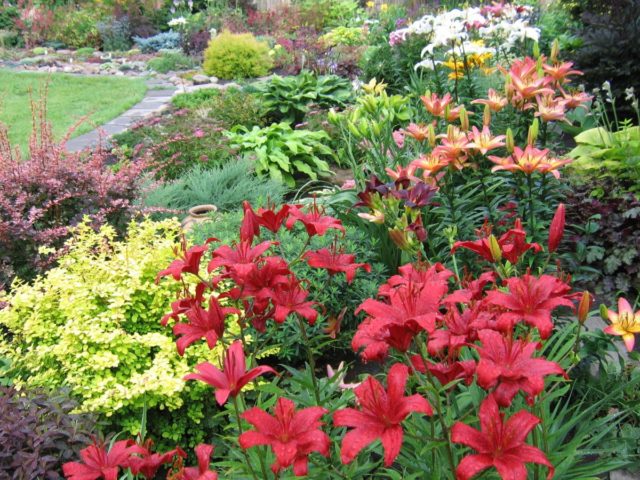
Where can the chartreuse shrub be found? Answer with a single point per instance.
(92, 325)
(237, 55)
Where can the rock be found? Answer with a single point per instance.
(200, 79)
(213, 79)
(64, 51)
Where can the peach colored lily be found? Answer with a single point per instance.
(436, 105)
(419, 132)
(528, 161)
(561, 71)
(625, 323)
(550, 108)
(495, 101)
(430, 164)
(482, 141)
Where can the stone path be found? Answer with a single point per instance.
(157, 98)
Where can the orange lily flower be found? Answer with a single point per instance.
(419, 132)
(483, 141)
(453, 147)
(576, 99)
(430, 164)
(625, 323)
(436, 105)
(561, 71)
(495, 101)
(528, 161)
(551, 109)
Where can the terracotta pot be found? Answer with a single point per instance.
(197, 214)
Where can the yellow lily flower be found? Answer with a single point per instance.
(625, 323)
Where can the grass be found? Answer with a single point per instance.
(69, 99)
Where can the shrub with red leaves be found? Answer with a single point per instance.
(43, 196)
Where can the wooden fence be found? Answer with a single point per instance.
(275, 4)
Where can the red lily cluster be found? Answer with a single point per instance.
(494, 319)
(98, 461)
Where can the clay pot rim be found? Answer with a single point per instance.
(200, 211)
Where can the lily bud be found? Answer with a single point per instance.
(464, 118)
(533, 132)
(536, 50)
(556, 230)
(432, 136)
(332, 116)
(507, 86)
(486, 116)
(584, 306)
(604, 313)
(510, 143)
(399, 238)
(555, 50)
(494, 247)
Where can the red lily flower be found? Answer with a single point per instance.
(315, 222)
(411, 308)
(335, 262)
(291, 435)
(184, 303)
(98, 463)
(250, 226)
(271, 220)
(499, 444)
(510, 365)
(290, 298)
(239, 260)
(201, 472)
(188, 263)
(380, 415)
(233, 376)
(531, 300)
(446, 371)
(261, 281)
(207, 324)
(148, 463)
(512, 245)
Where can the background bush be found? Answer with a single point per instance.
(231, 56)
(38, 433)
(115, 34)
(92, 325)
(76, 27)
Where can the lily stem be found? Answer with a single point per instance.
(312, 362)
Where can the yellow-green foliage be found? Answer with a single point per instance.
(350, 36)
(236, 55)
(92, 325)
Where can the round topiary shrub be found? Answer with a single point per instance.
(236, 55)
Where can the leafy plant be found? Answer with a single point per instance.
(171, 62)
(609, 156)
(226, 187)
(349, 36)
(39, 432)
(232, 56)
(291, 98)
(233, 107)
(161, 41)
(92, 325)
(283, 153)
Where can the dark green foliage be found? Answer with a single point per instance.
(225, 187)
(607, 252)
(115, 34)
(610, 33)
(8, 15)
(195, 99)
(38, 434)
(291, 98)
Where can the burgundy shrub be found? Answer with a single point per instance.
(42, 196)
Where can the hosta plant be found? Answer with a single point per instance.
(291, 98)
(283, 153)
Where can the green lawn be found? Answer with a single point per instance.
(69, 99)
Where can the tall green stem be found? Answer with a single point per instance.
(311, 359)
(240, 430)
(532, 213)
